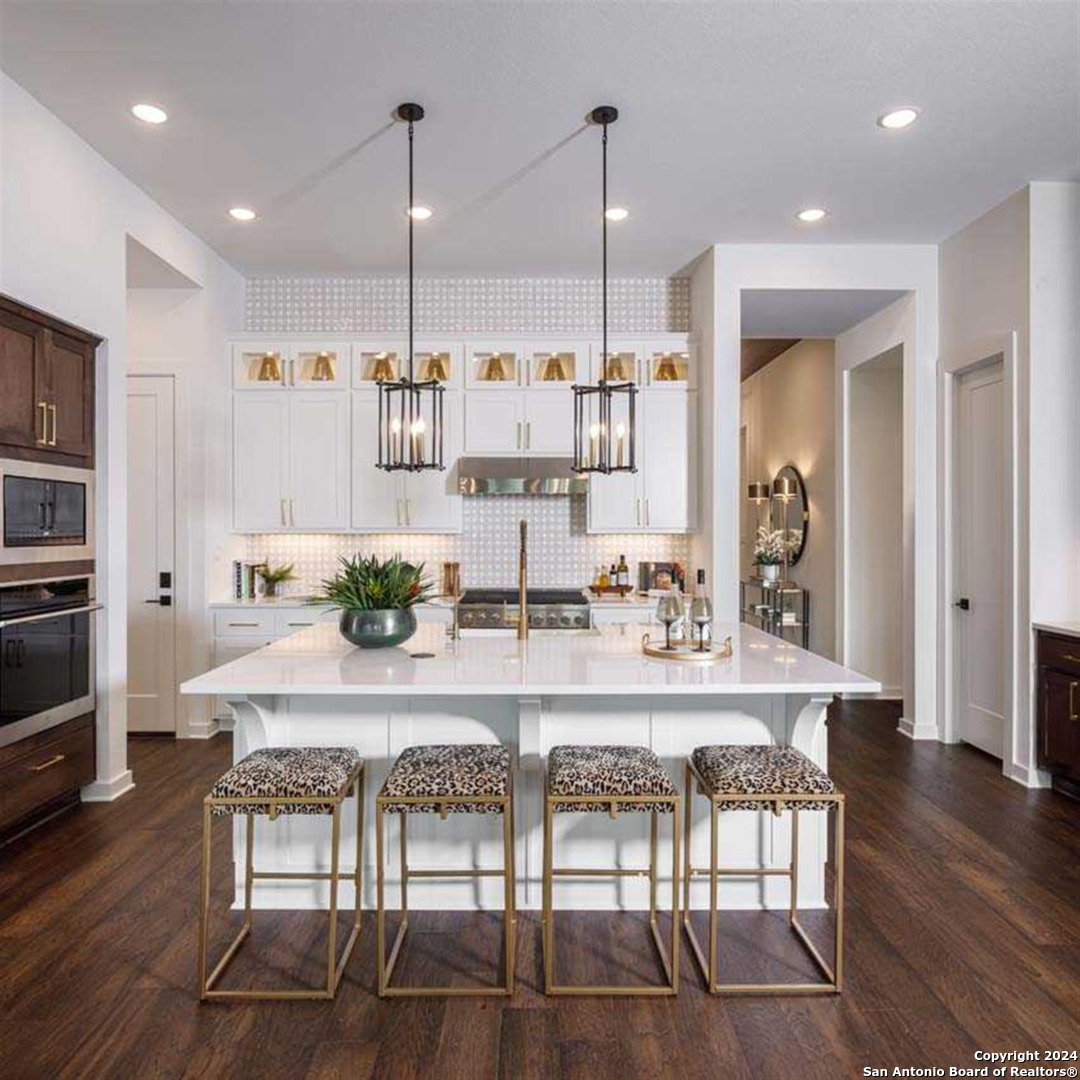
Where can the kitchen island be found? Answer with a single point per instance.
(590, 686)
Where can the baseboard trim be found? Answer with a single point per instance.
(916, 731)
(1027, 776)
(205, 729)
(108, 790)
(888, 694)
(225, 723)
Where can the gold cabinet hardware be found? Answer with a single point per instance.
(44, 407)
(52, 409)
(519, 434)
(1069, 656)
(243, 624)
(1073, 715)
(283, 519)
(292, 513)
(55, 760)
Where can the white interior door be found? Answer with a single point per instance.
(980, 494)
(151, 689)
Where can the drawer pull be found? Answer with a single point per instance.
(300, 624)
(1073, 715)
(255, 624)
(51, 762)
(1069, 656)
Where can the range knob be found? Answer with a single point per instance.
(566, 620)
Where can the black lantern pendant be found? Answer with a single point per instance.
(604, 415)
(410, 412)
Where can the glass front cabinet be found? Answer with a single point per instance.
(278, 366)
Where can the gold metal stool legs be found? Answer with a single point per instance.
(385, 964)
(709, 967)
(670, 961)
(335, 968)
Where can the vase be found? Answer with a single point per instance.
(270, 588)
(378, 629)
(770, 571)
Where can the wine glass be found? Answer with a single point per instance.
(669, 611)
(701, 616)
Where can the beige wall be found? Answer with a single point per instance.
(788, 413)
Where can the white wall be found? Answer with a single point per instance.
(787, 410)
(875, 521)
(65, 214)
(1015, 271)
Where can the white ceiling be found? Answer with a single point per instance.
(808, 313)
(734, 115)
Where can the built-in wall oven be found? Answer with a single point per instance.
(46, 513)
(46, 654)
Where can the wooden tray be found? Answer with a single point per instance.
(612, 590)
(685, 652)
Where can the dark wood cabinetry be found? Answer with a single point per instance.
(1058, 709)
(42, 775)
(46, 387)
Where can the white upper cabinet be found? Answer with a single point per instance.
(549, 424)
(624, 361)
(403, 501)
(290, 461)
(374, 362)
(318, 448)
(556, 366)
(662, 495)
(668, 364)
(439, 360)
(376, 493)
(319, 366)
(494, 422)
(494, 365)
(260, 462)
(260, 365)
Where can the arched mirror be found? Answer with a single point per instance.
(791, 509)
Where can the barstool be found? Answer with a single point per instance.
(466, 779)
(777, 778)
(269, 782)
(610, 779)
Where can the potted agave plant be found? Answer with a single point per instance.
(769, 552)
(376, 599)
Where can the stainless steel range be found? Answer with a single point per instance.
(549, 609)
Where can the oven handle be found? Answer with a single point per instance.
(49, 615)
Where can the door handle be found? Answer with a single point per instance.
(52, 409)
(44, 407)
(164, 601)
(964, 604)
(55, 760)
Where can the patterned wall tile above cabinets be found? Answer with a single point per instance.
(561, 553)
(466, 305)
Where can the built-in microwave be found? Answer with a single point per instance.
(46, 513)
(46, 654)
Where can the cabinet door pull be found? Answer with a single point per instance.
(292, 372)
(528, 434)
(292, 513)
(52, 409)
(637, 512)
(55, 760)
(1073, 715)
(283, 520)
(647, 522)
(44, 439)
(255, 624)
(1069, 656)
(519, 434)
(408, 512)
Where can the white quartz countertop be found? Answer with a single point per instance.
(1069, 629)
(608, 661)
(288, 603)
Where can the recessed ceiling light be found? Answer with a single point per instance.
(898, 118)
(419, 213)
(616, 213)
(811, 214)
(242, 213)
(150, 114)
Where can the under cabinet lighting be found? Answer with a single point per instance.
(896, 119)
(242, 213)
(149, 114)
(811, 214)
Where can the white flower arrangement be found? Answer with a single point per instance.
(769, 546)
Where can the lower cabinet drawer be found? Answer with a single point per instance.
(44, 768)
(1062, 653)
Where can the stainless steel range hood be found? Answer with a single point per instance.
(519, 476)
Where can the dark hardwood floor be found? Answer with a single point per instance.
(963, 935)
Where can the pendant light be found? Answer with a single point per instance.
(604, 414)
(410, 412)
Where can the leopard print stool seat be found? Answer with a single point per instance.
(611, 771)
(294, 773)
(460, 772)
(761, 771)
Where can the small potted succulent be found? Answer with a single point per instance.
(769, 552)
(376, 599)
(273, 576)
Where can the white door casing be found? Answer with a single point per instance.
(980, 572)
(151, 682)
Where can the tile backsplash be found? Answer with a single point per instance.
(350, 305)
(561, 553)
